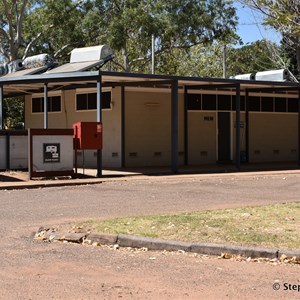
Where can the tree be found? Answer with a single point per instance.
(207, 61)
(11, 31)
(127, 26)
(13, 112)
(54, 27)
(284, 16)
(256, 57)
(33, 27)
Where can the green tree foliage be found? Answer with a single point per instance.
(12, 15)
(33, 27)
(258, 56)
(54, 27)
(13, 112)
(57, 26)
(127, 26)
(284, 16)
(207, 61)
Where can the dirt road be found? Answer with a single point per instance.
(35, 270)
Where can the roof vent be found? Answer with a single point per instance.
(273, 75)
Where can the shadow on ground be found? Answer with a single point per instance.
(6, 178)
(22, 176)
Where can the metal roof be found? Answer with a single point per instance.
(27, 84)
(26, 72)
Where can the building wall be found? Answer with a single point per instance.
(111, 119)
(18, 151)
(202, 137)
(273, 137)
(3, 154)
(148, 128)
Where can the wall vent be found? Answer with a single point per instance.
(132, 154)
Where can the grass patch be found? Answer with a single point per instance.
(270, 226)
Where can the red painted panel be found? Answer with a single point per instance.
(87, 135)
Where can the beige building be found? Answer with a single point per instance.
(160, 120)
(137, 120)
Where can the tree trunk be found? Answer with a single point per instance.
(298, 59)
(125, 59)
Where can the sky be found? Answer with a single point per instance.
(250, 27)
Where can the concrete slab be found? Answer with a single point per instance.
(20, 179)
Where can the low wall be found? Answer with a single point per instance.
(13, 149)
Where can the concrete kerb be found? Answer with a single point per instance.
(44, 184)
(124, 240)
(201, 248)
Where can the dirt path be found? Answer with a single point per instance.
(35, 270)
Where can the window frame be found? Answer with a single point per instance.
(80, 94)
(49, 104)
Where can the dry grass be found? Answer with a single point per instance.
(270, 226)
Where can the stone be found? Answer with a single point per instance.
(72, 237)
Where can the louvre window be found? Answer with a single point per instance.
(194, 102)
(242, 103)
(267, 104)
(89, 101)
(280, 104)
(53, 103)
(224, 102)
(292, 105)
(254, 103)
(209, 102)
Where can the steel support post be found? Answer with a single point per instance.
(174, 126)
(238, 129)
(99, 119)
